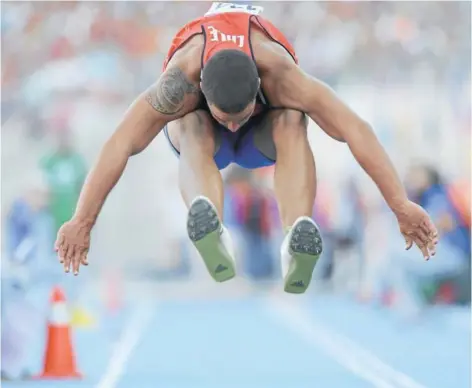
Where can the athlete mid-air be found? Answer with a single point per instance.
(231, 91)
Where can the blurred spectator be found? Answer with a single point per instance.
(341, 217)
(428, 189)
(26, 265)
(409, 275)
(248, 210)
(65, 172)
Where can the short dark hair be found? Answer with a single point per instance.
(230, 80)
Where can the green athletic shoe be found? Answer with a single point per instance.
(211, 239)
(300, 251)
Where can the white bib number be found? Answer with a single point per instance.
(218, 7)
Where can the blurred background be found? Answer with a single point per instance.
(145, 313)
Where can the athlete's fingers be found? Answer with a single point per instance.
(68, 258)
(76, 263)
(59, 241)
(408, 241)
(62, 252)
(431, 247)
(434, 236)
(429, 228)
(423, 248)
(66, 263)
(83, 258)
(60, 257)
(422, 236)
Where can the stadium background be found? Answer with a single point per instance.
(375, 315)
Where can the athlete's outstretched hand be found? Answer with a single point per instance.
(417, 227)
(72, 245)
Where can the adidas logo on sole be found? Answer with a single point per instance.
(220, 268)
(298, 284)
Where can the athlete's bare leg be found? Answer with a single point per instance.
(295, 188)
(194, 138)
(201, 187)
(295, 174)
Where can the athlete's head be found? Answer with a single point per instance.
(230, 83)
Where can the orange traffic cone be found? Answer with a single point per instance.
(59, 359)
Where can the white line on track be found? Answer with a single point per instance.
(134, 329)
(344, 351)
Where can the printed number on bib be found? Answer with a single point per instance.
(229, 7)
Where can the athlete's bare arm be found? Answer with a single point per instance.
(289, 86)
(174, 94)
(171, 97)
(297, 90)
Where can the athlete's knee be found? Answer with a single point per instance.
(194, 130)
(289, 127)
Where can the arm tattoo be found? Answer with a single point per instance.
(168, 95)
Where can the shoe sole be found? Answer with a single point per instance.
(204, 229)
(305, 247)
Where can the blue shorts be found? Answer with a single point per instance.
(250, 147)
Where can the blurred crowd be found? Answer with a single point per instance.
(70, 69)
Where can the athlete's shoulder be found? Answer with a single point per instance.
(271, 40)
(188, 57)
(277, 69)
(270, 56)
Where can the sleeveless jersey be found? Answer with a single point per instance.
(227, 26)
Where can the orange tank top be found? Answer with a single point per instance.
(227, 26)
